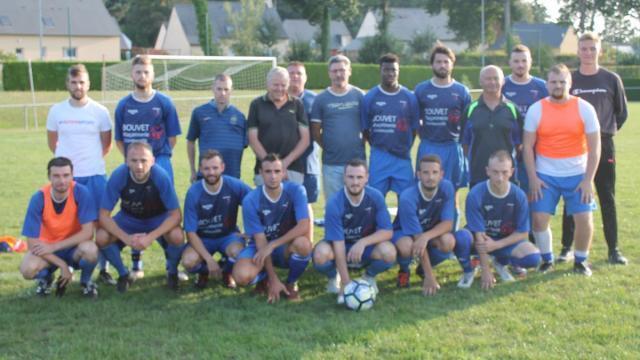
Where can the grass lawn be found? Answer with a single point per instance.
(554, 316)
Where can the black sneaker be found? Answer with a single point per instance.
(420, 271)
(60, 289)
(616, 258)
(566, 255)
(106, 278)
(43, 286)
(90, 290)
(545, 267)
(123, 283)
(172, 281)
(582, 268)
(201, 280)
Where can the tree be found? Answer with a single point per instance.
(321, 12)
(583, 13)
(205, 33)
(377, 46)
(268, 34)
(300, 51)
(140, 19)
(246, 24)
(421, 44)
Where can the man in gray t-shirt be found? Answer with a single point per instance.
(335, 124)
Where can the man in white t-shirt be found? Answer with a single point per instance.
(80, 129)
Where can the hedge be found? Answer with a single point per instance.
(51, 75)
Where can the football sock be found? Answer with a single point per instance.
(544, 242)
(580, 256)
(463, 249)
(87, 270)
(297, 265)
(44, 274)
(200, 268)
(529, 261)
(103, 265)
(502, 260)
(328, 269)
(456, 217)
(403, 263)
(173, 254)
(136, 260)
(112, 254)
(437, 256)
(228, 265)
(377, 266)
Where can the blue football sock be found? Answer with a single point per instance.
(112, 254)
(200, 268)
(404, 263)
(328, 269)
(502, 260)
(437, 256)
(228, 265)
(297, 265)
(377, 266)
(173, 254)
(87, 270)
(547, 257)
(463, 249)
(45, 273)
(136, 260)
(103, 265)
(529, 261)
(580, 256)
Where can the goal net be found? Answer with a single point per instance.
(188, 79)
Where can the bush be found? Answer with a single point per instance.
(46, 75)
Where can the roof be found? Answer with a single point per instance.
(81, 17)
(406, 23)
(529, 34)
(219, 20)
(302, 30)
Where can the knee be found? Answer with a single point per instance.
(403, 245)
(234, 249)
(190, 258)
(540, 222)
(88, 251)
(446, 243)
(29, 270)
(302, 246)
(175, 236)
(387, 251)
(243, 274)
(322, 253)
(103, 238)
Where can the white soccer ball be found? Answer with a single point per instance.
(359, 295)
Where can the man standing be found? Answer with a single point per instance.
(497, 215)
(390, 119)
(604, 90)
(423, 228)
(335, 125)
(275, 216)
(218, 125)
(59, 228)
(210, 217)
(150, 116)
(80, 129)
(149, 210)
(358, 230)
(489, 124)
(522, 89)
(561, 151)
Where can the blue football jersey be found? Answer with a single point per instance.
(418, 214)
(524, 95)
(441, 109)
(496, 216)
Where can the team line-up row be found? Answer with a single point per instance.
(558, 146)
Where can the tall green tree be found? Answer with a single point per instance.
(617, 14)
(205, 33)
(246, 25)
(140, 19)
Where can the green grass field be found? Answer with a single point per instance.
(554, 316)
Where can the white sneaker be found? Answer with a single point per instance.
(466, 280)
(340, 299)
(372, 282)
(136, 275)
(333, 285)
(182, 276)
(503, 272)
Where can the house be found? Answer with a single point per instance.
(405, 24)
(71, 29)
(562, 39)
(179, 36)
(300, 30)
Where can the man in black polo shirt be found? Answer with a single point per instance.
(489, 124)
(604, 90)
(278, 124)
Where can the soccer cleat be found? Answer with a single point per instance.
(90, 290)
(43, 286)
(566, 255)
(518, 271)
(420, 271)
(340, 299)
(582, 269)
(503, 272)
(183, 276)
(172, 282)
(136, 275)
(294, 293)
(403, 279)
(123, 283)
(545, 267)
(372, 282)
(60, 289)
(616, 258)
(106, 278)
(228, 280)
(332, 285)
(201, 280)
(466, 280)
(261, 287)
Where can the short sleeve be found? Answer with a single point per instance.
(250, 215)
(589, 116)
(116, 182)
(523, 212)
(473, 211)
(193, 133)
(448, 207)
(118, 122)
(300, 204)
(414, 108)
(171, 119)
(52, 124)
(301, 115)
(86, 207)
(190, 209)
(33, 217)
(104, 118)
(408, 213)
(316, 109)
(365, 122)
(165, 187)
(333, 229)
(383, 219)
(252, 121)
(532, 119)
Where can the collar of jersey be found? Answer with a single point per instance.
(424, 197)
(346, 193)
(496, 195)
(204, 186)
(264, 192)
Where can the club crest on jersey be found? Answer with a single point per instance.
(131, 191)
(207, 206)
(381, 103)
(233, 120)
(488, 207)
(534, 93)
(432, 96)
(266, 212)
(227, 198)
(156, 111)
(422, 211)
(510, 93)
(348, 216)
(206, 118)
(132, 111)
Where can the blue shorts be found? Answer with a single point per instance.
(389, 172)
(501, 253)
(564, 186)
(452, 157)
(366, 255)
(164, 162)
(312, 186)
(220, 244)
(96, 185)
(132, 225)
(67, 256)
(332, 180)
(277, 256)
(435, 256)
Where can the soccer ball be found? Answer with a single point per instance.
(359, 295)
